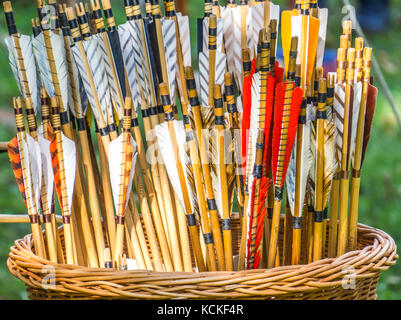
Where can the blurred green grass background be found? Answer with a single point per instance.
(380, 202)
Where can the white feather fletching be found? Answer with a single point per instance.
(13, 63)
(96, 64)
(129, 60)
(115, 162)
(290, 179)
(30, 68)
(306, 163)
(254, 126)
(39, 50)
(168, 154)
(204, 74)
(170, 48)
(228, 35)
(355, 115)
(236, 45)
(258, 23)
(185, 39)
(143, 78)
(323, 17)
(108, 65)
(339, 100)
(47, 168)
(76, 86)
(61, 65)
(310, 112)
(33, 167)
(79, 60)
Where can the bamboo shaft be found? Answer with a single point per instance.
(163, 191)
(296, 246)
(160, 41)
(136, 223)
(333, 223)
(79, 195)
(156, 168)
(221, 167)
(271, 260)
(357, 163)
(318, 224)
(20, 218)
(81, 206)
(93, 199)
(211, 260)
(152, 200)
(147, 217)
(184, 235)
(287, 241)
(138, 238)
(343, 217)
(203, 150)
(107, 193)
(193, 231)
(50, 235)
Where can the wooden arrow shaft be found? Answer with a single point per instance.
(271, 259)
(211, 260)
(46, 210)
(31, 204)
(215, 224)
(68, 235)
(107, 194)
(333, 223)
(80, 202)
(152, 197)
(193, 231)
(147, 217)
(93, 197)
(319, 185)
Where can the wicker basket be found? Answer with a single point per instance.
(320, 280)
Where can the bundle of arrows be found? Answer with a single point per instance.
(148, 159)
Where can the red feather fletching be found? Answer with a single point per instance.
(278, 128)
(370, 111)
(246, 113)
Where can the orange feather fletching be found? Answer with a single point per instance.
(56, 171)
(15, 160)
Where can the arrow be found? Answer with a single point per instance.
(287, 107)
(367, 108)
(172, 152)
(203, 149)
(21, 59)
(122, 160)
(25, 158)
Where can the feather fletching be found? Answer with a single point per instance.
(280, 139)
(168, 153)
(29, 65)
(122, 167)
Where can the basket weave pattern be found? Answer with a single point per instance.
(320, 280)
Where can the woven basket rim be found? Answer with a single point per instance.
(379, 255)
